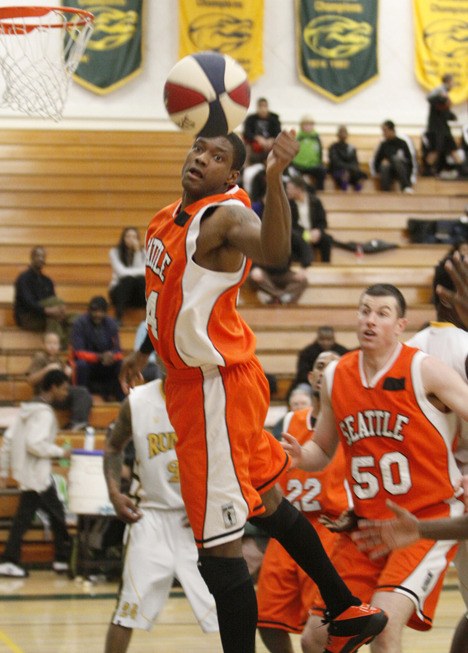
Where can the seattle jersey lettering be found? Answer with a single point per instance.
(373, 423)
(160, 443)
(157, 258)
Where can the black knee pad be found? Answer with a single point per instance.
(222, 575)
(280, 521)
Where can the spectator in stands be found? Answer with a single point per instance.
(151, 371)
(78, 400)
(275, 285)
(260, 130)
(309, 222)
(36, 305)
(325, 341)
(343, 162)
(28, 448)
(393, 160)
(440, 143)
(95, 351)
(127, 287)
(309, 160)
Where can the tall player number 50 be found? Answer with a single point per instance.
(394, 472)
(151, 319)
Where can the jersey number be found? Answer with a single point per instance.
(394, 471)
(151, 319)
(309, 490)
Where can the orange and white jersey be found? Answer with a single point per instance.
(397, 444)
(191, 311)
(312, 493)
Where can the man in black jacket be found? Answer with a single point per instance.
(36, 306)
(260, 130)
(393, 160)
(309, 222)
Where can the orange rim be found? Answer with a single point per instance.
(27, 12)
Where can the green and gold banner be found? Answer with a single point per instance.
(113, 55)
(441, 42)
(337, 45)
(233, 27)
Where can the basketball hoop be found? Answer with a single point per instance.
(40, 49)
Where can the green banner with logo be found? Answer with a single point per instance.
(337, 45)
(113, 55)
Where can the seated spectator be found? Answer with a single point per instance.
(260, 130)
(275, 285)
(127, 287)
(36, 306)
(393, 160)
(325, 341)
(343, 162)
(299, 398)
(151, 371)
(95, 351)
(309, 222)
(309, 160)
(78, 399)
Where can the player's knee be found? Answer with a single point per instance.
(222, 575)
(280, 521)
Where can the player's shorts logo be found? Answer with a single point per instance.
(229, 515)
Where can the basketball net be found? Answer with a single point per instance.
(40, 49)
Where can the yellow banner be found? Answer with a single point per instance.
(441, 44)
(233, 27)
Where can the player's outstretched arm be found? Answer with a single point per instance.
(276, 219)
(457, 267)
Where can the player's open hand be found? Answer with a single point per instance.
(292, 448)
(130, 372)
(379, 537)
(346, 522)
(285, 148)
(457, 267)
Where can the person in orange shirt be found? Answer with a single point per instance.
(198, 253)
(284, 590)
(389, 405)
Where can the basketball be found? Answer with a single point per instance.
(207, 94)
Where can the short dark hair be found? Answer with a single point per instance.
(238, 147)
(387, 290)
(389, 124)
(53, 378)
(299, 182)
(98, 303)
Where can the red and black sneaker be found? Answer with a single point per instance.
(354, 627)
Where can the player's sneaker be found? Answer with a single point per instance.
(354, 627)
(10, 570)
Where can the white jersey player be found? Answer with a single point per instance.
(159, 542)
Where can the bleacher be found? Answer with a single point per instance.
(74, 191)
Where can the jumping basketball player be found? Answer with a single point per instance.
(197, 257)
(387, 403)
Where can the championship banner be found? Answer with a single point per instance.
(233, 27)
(441, 43)
(337, 45)
(113, 55)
